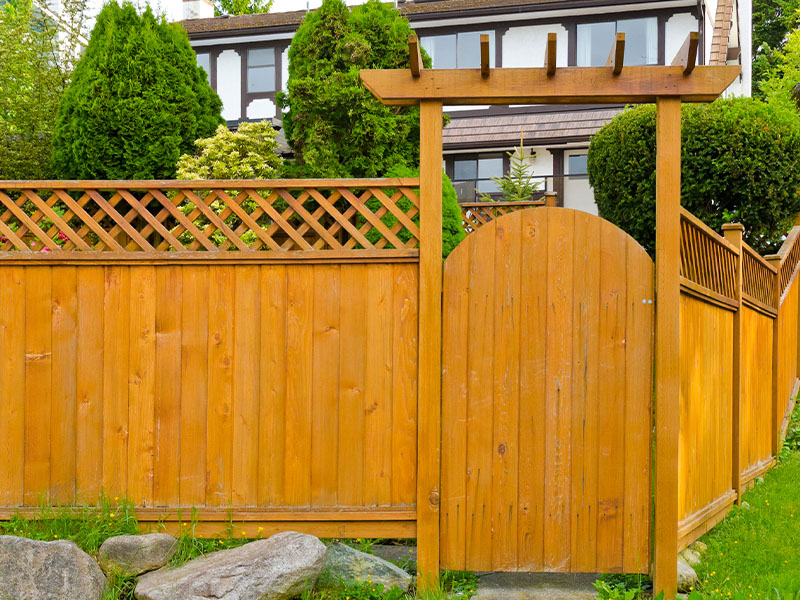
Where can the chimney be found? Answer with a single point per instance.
(198, 9)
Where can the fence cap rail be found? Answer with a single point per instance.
(145, 184)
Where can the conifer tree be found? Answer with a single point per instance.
(137, 101)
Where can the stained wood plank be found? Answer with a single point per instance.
(63, 434)
(352, 379)
(325, 387)
(194, 386)
(299, 354)
(246, 380)
(141, 385)
(116, 358)
(272, 388)
(219, 457)
(405, 336)
(168, 381)
(12, 382)
(534, 319)
(506, 344)
(90, 377)
(558, 403)
(378, 387)
(480, 370)
(585, 409)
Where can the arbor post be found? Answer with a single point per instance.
(429, 398)
(667, 350)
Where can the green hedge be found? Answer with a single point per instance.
(740, 162)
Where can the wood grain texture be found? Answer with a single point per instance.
(546, 368)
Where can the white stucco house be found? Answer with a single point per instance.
(246, 58)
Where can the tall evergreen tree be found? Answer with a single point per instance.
(137, 101)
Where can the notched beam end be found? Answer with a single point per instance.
(484, 55)
(550, 54)
(616, 58)
(687, 55)
(414, 55)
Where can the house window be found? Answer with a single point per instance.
(471, 174)
(261, 70)
(577, 165)
(204, 60)
(457, 50)
(594, 41)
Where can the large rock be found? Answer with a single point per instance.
(691, 557)
(136, 554)
(687, 578)
(348, 564)
(37, 570)
(277, 568)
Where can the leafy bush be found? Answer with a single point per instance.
(740, 162)
(248, 153)
(137, 101)
(335, 126)
(782, 84)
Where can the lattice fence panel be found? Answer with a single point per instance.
(706, 258)
(758, 280)
(476, 214)
(212, 216)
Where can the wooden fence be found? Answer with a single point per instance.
(162, 342)
(739, 366)
(476, 214)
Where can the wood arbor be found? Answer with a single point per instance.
(667, 86)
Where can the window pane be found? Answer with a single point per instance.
(204, 60)
(490, 167)
(594, 43)
(487, 186)
(442, 50)
(261, 79)
(641, 40)
(261, 58)
(469, 49)
(577, 164)
(465, 169)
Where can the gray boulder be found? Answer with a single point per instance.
(348, 564)
(691, 557)
(687, 578)
(136, 554)
(277, 568)
(37, 570)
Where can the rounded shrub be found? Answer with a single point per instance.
(740, 162)
(137, 101)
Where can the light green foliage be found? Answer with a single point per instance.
(137, 101)
(517, 185)
(248, 153)
(335, 126)
(782, 84)
(36, 62)
(241, 7)
(773, 20)
(452, 230)
(740, 162)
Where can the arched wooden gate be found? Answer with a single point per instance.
(546, 391)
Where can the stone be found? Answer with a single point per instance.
(699, 547)
(403, 556)
(537, 586)
(348, 564)
(691, 557)
(277, 568)
(687, 578)
(39, 570)
(136, 554)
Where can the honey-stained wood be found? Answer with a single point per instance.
(484, 55)
(558, 351)
(733, 234)
(756, 401)
(188, 386)
(430, 346)
(414, 55)
(686, 56)
(572, 85)
(550, 54)
(667, 349)
(616, 58)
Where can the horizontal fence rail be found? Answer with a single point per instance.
(209, 216)
(707, 260)
(477, 214)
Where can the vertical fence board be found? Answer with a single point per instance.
(12, 382)
(64, 395)
(325, 387)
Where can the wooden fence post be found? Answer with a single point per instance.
(775, 261)
(733, 233)
(667, 350)
(550, 199)
(429, 398)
